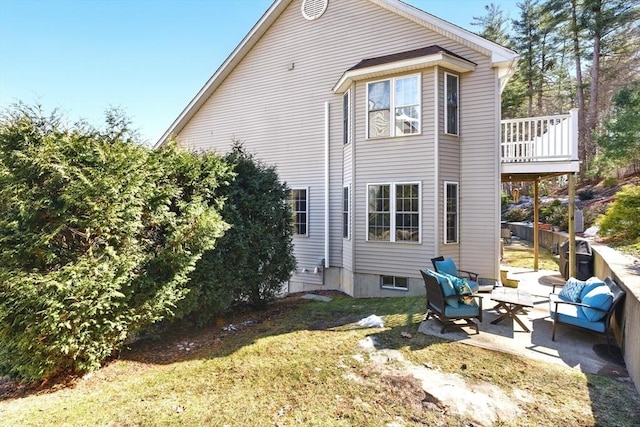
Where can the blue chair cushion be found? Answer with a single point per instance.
(463, 310)
(591, 283)
(599, 297)
(571, 290)
(447, 266)
(573, 315)
(447, 288)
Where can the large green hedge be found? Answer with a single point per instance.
(98, 236)
(254, 258)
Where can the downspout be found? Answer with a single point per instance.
(436, 174)
(326, 187)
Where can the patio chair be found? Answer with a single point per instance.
(444, 305)
(448, 266)
(587, 305)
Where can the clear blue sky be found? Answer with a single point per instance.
(147, 57)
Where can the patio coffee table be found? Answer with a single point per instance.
(512, 300)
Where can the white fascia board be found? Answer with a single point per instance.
(407, 65)
(497, 53)
(224, 70)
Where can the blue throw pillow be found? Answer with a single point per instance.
(591, 283)
(448, 266)
(571, 291)
(462, 288)
(599, 297)
(447, 288)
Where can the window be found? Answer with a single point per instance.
(345, 212)
(346, 129)
(393, 212)
(451, 212)
(451, 103)
(393, 282)
(300, 210)
(400, 96)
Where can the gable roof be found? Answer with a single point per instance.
(502, 58)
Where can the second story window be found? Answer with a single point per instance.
(393, 107)
(451, 104)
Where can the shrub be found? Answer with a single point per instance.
(517, 215)
(97, 237)
(586, 194)
(559, 216)
(505, 200)
(609, 182)
(255, 257)
(621, 218)
(591, 214)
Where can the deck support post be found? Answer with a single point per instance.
(536, 228)
(572, 225)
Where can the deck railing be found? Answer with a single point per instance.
(537, 139)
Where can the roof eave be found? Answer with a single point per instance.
(224, 70)
(497, 52)
(413, 64)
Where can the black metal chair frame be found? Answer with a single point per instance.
(436, 302)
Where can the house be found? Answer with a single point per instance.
(383, 120)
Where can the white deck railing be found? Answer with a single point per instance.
(540, 139)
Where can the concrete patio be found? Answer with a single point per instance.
(573, 347)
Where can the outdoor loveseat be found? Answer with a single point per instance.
(586, 304)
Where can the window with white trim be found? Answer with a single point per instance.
(394, 282)
(346, 122)
(451, 86)
(451, 199)
(300, 211)
(393, 107)
(345, 212)
(393, 212)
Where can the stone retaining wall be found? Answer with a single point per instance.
(625, 271)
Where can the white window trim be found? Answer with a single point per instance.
(392, 213)
(392, 107)
(346, 95)
(348, 187)
(444, 203)
(307, 212)
(394, 288)
(446, 105)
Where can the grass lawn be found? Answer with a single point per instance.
(299, 362)
(519, 253)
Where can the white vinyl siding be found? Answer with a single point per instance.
(263, 87)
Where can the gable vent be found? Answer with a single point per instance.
(313, 9)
